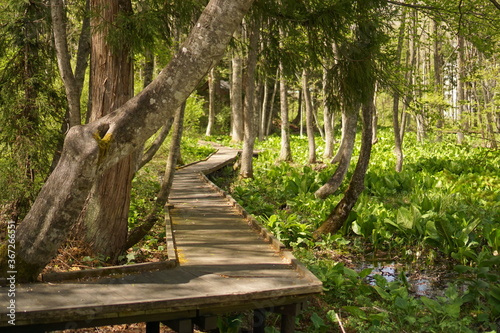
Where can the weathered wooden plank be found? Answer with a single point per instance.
(108, 271)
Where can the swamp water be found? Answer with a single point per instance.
(422, 282)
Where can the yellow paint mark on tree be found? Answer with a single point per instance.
(103, 144)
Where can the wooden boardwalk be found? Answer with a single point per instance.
(226, 264)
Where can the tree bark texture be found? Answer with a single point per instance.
(93, 148)
(104, 220)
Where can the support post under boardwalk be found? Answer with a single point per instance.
(180, 325)
(288, 314)
(259, 321)
(153, 327)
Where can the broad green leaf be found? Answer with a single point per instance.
(432, 305)
(401, 303)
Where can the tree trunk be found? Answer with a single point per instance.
(398, 147)
(212, 103)
(271, 107)
(237, 127)
(249, 110)
(375, 118)
(264, 113)
(341, 212)
(104, 220)
(461, 90)
(438, 81)
(64, 61)
(148, 68)
(328, 114)
(82, 56)
(286, 150)
(309, 117)
(349, 122)
(91, 149)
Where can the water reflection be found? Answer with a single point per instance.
(420, 283)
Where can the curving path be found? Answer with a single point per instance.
(226, 263)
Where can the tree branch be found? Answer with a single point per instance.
(495, 3)
(398, 3)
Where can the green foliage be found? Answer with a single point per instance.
(32, 103)
(443, 208)
(193, 113)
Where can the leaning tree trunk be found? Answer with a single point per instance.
(104, 220)
(309, 117)
(349, 122)
(341, 212)
(249, 110)
(91, 149)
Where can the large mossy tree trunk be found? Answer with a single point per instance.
(91, 149)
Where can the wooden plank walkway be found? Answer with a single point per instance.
(225, 265)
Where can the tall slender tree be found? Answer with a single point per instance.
(309, 117)
(249, 113)
(237, 127)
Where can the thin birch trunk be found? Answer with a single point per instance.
(309, 117)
